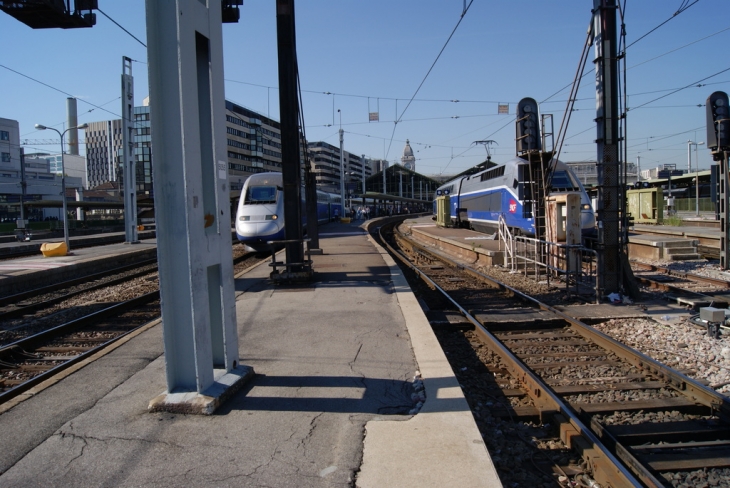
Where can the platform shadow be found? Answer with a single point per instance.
(336, 394)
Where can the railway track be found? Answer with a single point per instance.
(631, 420)
(707, 281)
(59, 340)
(688, 289)
(41, 298)
(31, 360)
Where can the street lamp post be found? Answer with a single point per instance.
(697, 172)
(63, 179)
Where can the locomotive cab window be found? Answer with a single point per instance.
(561, 181)
(258, 195)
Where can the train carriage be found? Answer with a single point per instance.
(477, 201)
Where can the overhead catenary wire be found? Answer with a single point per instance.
(680, 10)
(395, 124)
(59, 90)
(562, 131)
(693, 84)
(119, 25)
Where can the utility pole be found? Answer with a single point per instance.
(23, 184)
(290, 135)
(613, 268)
(128, 163)
(342, 168)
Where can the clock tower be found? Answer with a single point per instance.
(408, 160)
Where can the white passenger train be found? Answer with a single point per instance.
(260, 211)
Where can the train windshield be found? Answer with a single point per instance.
(562, 182)
(258, 195)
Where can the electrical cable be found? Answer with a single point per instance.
(562, 131)
(681, 9)
(395, 125)
(351, 95)
(680, 89)
(58, 90)
(118, 25)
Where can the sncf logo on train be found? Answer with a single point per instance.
(512, 206)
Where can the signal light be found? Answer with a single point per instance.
(718, 121)
(528, 126)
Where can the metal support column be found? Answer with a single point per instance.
(192, 206)
(289, 115)
(610, 193)
(310, 188)
(721, 156)
(342, 170)
(128, 163)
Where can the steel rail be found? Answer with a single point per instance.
(29, 342)
(682, 274)
(690, 387)
(10, 299)
(23, 309)
(606, 467)
(697, 392)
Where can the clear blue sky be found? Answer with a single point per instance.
(373, 55)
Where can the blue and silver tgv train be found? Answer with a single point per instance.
(482, 197)
(260, 211)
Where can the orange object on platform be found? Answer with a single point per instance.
(51, 249)
(345, 220)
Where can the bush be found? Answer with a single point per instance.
(672, 221)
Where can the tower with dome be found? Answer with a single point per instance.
(408, 161)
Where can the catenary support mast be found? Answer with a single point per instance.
(610, 191)
(290, 154)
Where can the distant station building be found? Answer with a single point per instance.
(104, 151)
(32, 180)
(587, 172)
(253, 142)
(103, 145)
(326, 167)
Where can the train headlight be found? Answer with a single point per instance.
(244, 218)
(585, 206)
(272, 217)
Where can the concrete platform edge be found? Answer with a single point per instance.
(442, 442)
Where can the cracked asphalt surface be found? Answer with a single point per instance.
(328, 358)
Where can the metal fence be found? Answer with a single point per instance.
(690, 204)
(575, 265)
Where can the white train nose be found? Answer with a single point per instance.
(258, 228)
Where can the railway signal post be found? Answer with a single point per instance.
(718, 141)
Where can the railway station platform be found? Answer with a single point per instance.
(342, 367)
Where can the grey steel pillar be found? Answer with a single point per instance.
(608, 165)
(128, 163)
(72, 121)
(290, 136)
(721, 156)
(192, 205)
(342, 170)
